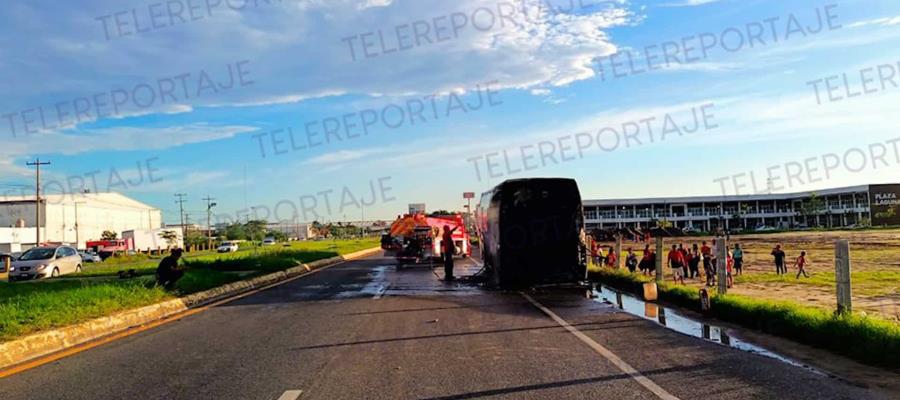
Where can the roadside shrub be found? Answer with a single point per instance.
(867, 339)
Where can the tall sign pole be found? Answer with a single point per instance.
(37, 200)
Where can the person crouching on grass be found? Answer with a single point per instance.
(800, 263)
(168, 272)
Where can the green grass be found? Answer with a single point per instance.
(867, 339)
(30, 307)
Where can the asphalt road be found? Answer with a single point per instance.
(363, 330)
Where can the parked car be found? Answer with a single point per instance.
(764, 228)
(90, 257)
(227, 247)
(45, 262)
(268, 242)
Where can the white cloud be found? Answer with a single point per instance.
(295, 50)
(886, 21)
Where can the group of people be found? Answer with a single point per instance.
(686, 262)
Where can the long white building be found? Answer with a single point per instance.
(71, 219)
(841, 207)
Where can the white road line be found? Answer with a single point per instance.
(381, 290)
(291, 395)
(603, 351)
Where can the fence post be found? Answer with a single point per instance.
(618, 251)
(722, 264)
(659, 260)
(842, 275)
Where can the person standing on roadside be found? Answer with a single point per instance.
(685, 259)
(612, 258)
(706, 253)
(800, 263)
(738, 255)
(676, 261)
(779, 255)
(694, 263)
(631, 261)
(448, 248)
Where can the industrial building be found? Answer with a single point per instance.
(840, 207)
(71, 219)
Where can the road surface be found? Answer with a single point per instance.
(363, 330)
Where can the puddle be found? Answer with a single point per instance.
(678, 322)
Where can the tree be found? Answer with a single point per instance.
(170, 237)
(440, 213)
(109, 235)
(256, 230)
(235, 232)
(813, 207)
(194, 238)
(279, 236)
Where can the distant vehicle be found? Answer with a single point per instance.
(268, 242)
(540, 223)
(90, 257)
(106, 248)
(45, 262)
(227, 247)
(689, 230)
(764, 228)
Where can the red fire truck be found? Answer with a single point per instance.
(416, 238)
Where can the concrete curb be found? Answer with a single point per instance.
(45, 343)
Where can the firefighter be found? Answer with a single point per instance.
(168, 271)
(448, 248)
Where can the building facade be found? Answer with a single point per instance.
(840, 207)
(72, 219)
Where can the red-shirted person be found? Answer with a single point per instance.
(611, 258)
(676, 262)
(595, 252)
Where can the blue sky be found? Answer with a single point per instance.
(549, 76)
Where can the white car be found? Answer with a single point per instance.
(227, 247)
(268, 242)
(45, 262)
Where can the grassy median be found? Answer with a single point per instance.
(29, 307)
(871, 340)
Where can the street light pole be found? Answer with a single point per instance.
(209, 207)
(37, 201)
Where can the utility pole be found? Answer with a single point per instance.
(209, 207)
(37, 201)
(77, 238)
(180, 202)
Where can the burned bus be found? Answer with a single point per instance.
(532, 233)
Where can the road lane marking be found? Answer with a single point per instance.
(381, 290)
(603, 351)
(133, 331)
(291, 395)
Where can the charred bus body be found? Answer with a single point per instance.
(532, 232)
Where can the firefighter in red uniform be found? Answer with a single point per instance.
(448, 248)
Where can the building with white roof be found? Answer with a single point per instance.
(71, 219)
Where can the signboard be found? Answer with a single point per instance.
(884, 201)
(469, 195)
(416, 208)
